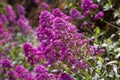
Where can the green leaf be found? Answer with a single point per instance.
(66, 68)
(118, 32)
(109, 40)
(98, 71)
(97, 30)
(100, 59)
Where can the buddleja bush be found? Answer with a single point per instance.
(62, 52)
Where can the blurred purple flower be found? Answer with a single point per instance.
(10, 13)
(86, 24)
(32, 54)
(5, 63)
(86, 13)
(81, 65)
(23, 73)
(94, 6)
(40, 69)
(90, 24)
(75, 14)
(12, 75)
(41, 73)
(36, 1)
(83, 24)
(64, 76)
(99, 15)
(5, 36)
(24, 26)
(58, 38)
(45, 6)
(57, 13)
(46, 19)
(3, 18)
(88, 5)
(92, 50)
(21, 10)
(101, 50)
(85, 5)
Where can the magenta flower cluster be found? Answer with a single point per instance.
(5, 36)
(3, 19)
(41, 73)
(60, 42)
(58, 37)
(45, 6)
(10, 13)
(5, 64)
(61, 46)
(21, 10)
(88, 5)
(74, 13)
(33, 55)
(20, 72)
(12, 19)
(24, 25)
(99, 15)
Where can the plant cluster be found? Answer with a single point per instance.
(57, 49)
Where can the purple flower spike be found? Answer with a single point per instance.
(12, 75)
(10, 13)
(40, 69)
(101, 51)
(23, 73)
(45, 6)
(21, 10)
(86, 4)
(5, 36)
(74, 13)
(6, 63)
(64, 76)
(32, 54)
(86, 13)
(99, 15)
(57, 13)
(81, 65)
(3, 18)
(46, 18)
(94, 6)
(41, 73)
(24, 26)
